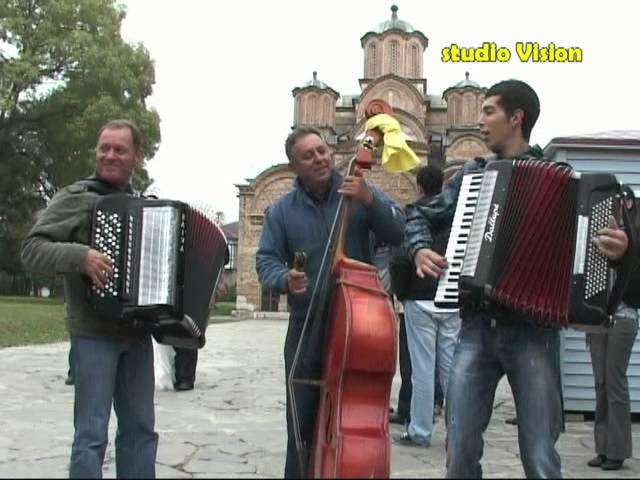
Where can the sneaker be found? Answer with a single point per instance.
(597, 461)
(406, 440)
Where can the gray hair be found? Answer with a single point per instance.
(298, 132)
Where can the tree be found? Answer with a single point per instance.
(64, 71)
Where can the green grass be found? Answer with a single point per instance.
(223, 309)
(28, 321)
(32, 320)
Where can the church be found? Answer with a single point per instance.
(441, 128)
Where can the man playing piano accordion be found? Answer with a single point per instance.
(112, 361)
(490, 345)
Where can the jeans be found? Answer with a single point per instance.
(431, 332)
(118, 371)
(530, 357)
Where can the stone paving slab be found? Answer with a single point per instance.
(233, 423)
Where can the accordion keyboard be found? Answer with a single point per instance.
(107, 240)
(447, 291)
(596, 263)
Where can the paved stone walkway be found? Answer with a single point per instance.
(233, 423)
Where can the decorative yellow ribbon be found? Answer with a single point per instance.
(397, 156)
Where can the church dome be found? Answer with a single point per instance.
(394, 23)
(314, 83)
(463, 84)
(466, 82)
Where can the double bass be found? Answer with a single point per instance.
(351, 319)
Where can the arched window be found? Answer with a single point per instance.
(372, 67)
(395, 56)
(415, 62)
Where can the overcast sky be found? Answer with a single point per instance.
(225, 72)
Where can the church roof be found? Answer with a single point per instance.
(395, 24)
(610, 138)
(314, 83)
(466, 83)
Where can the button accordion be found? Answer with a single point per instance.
(521, 238)
(167, 260)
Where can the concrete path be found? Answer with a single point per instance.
(233, 423)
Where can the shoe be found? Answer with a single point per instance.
(611, 464)
(69, 379)
(395, 417)
(597, 461)
(406, 440)
(183, 385)
(511, 421)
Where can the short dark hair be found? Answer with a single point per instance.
(430, 179)
(516, 94)
(293, 137)
(136, 135)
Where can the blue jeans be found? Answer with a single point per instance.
(530, 357)
(431, 332)
(120, 371)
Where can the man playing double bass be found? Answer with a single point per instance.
(300, 221)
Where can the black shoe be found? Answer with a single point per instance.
(597, 461)
(406, 440)
(611, 464)
(183, 385)
(511, 421)
(69, 379)
(395, 417)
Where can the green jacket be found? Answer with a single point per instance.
(59, 242)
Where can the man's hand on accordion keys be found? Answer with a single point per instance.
(612, 240)
(98, 267)
(429, 262)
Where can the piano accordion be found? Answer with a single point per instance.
(167, 260)
(521, 238)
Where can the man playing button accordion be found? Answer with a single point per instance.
(112, 362)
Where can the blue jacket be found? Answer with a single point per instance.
(297, 222)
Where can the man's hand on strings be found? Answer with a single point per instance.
(612, 240)
(429, 262)
(296, 282)
(354, 186)
(98, 267)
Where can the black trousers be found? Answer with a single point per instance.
(186, 361)
(404, 397)
(307, 400)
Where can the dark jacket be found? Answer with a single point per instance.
(405, 284)
(297, 222)
(59, 242)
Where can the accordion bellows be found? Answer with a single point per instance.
(167, 258)
(524, 241)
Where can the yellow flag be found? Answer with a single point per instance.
(397, 156)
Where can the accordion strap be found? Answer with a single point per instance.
(96, 185)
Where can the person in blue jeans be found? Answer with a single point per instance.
(432, 332)
(111, 361)
(497, 344)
